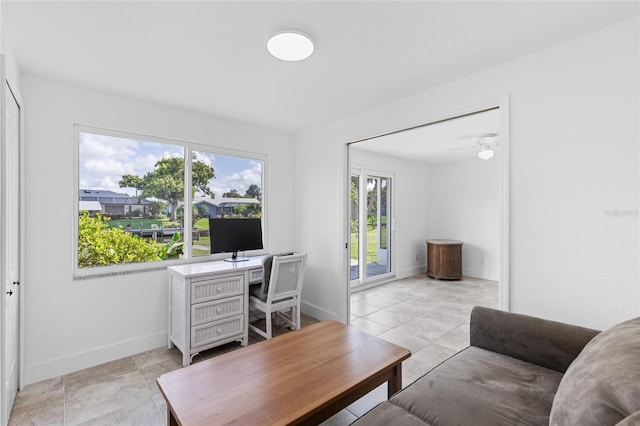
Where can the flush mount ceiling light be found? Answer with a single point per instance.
(486, 143)
(290, 46)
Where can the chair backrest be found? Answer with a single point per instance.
(267, 262)
(287, 273)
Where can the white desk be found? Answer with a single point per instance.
(209, 304)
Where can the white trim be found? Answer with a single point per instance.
(96, 356)
(187, 206)
(21, 235)
(344, 301)
(505, 201)
(188, 148)
(5, 411)
(318, 312)
(4, 415)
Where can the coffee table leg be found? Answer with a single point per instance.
(171, 420)
(395, 383)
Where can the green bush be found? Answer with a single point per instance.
(100, 245)
(172, 249)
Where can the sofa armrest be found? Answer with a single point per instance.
(543, 342)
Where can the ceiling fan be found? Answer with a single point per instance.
(485, 142)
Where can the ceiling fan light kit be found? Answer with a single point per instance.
(486, 153)
(486, 143)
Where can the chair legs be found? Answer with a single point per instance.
(269, 319)
(268, 325)
(291, 318)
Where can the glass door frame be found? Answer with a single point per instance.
(363, 280)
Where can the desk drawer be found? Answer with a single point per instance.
(255, 275)
(216, 309)
(217, 330)
(206, 289)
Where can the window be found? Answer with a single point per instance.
(134, 209)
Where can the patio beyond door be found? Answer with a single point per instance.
(371, 226)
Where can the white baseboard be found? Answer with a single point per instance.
(79, 361)
(317, 312)
(420, 269)
(480, 273)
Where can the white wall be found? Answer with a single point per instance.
(11, 66)
(409, 208)
(72, 324)
(577, 103)
(464, 204)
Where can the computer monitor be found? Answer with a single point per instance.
(235, 234)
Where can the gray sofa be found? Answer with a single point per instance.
(521, 370)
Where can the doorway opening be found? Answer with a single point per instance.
(417, 212)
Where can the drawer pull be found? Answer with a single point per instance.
(218, 310)
(219, 330)
(219, 289)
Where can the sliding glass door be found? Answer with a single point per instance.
(371, 228)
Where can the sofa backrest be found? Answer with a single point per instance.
(539, 341)
(602, 385)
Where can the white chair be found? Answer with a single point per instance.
(280, 292)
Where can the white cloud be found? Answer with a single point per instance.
(104, 160)
(206, 158)
(103, 167)
(240, 181)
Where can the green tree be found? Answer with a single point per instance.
(246, 210)
(157, 206)
(253, 191)
(253, 210)
(355, 213)
(231, 194)
(199, 212)
(166, 181)
(100, 245)
(131, 181)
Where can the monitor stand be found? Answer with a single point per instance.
(234, 258)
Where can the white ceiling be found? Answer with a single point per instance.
(211, 56)
(446, 141)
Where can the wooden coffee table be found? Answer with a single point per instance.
(301, 377)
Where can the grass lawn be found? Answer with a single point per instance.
(203, 241)
(202, 223)
(137, 223)
(372, 245)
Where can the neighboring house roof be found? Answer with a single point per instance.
(225, 202)
(109, 197)
(90, 206)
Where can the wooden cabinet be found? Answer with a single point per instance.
(444, 259)
(208, 304)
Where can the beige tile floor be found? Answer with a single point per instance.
(429, 317)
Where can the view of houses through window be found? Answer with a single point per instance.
(131, 197)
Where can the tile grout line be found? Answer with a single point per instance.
(64, 401)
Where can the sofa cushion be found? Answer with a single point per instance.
(601, 385)
(479, 387)
(632, 420)
(385, 414)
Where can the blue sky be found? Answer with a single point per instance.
(105, 159)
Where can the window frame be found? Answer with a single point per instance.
(188, 147)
